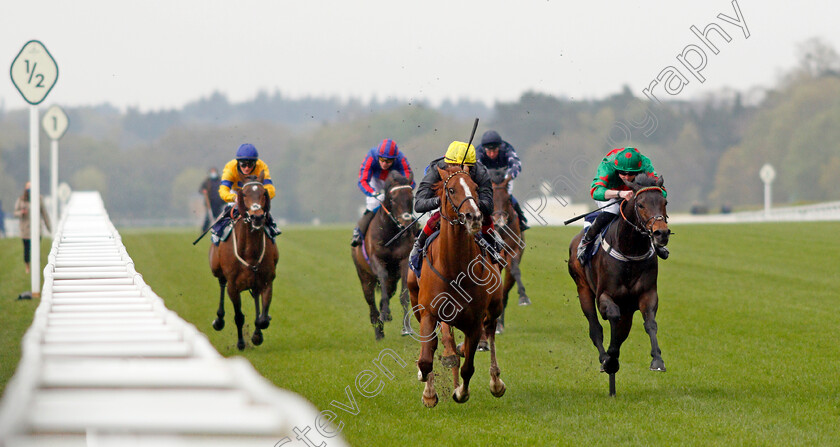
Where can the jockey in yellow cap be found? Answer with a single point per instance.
(425, 199)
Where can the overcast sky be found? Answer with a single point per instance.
(163, 54)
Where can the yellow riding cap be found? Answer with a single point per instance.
(455, 153)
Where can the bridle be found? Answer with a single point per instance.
(251, 224)
(504, 214)
(647, 226)
(462, 218)
(387, 212)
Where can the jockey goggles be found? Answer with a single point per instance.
(386, 160)
(247, 163)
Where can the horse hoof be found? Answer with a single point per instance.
(430, 402)
(483, 346)
(405, 332)
(257, 339)
(262, 323)
(657, 365)
(524, 300)
(460, 399)
(497, 388)
(449, 361)
(460, 349)
(240, 345)
(500, 328)
(385, 316)
(610, 365)
(218, 324)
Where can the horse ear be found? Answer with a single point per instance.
(267, 206)
(661, 181)
(443, 174)
(261, 177)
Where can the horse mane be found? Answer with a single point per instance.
(646, 180)
(395, 179)
(497, 176)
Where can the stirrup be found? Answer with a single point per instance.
(581, 249)
(357, 238)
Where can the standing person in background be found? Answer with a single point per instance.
(22, 212)
(2, 221)
(213, 203)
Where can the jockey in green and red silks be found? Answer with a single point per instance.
(378, 163)
(609, 189)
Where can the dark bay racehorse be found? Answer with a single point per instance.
(459, 287)
(387, 265)
(507, 227)
(624, 280)
(246, 260)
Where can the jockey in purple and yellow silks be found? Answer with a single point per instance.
(378, 163)
(247, 162)
(608, 187)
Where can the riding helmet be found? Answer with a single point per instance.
(388, 149)
(628, 160)
(491, 138)
(456, 153)
(247, 151)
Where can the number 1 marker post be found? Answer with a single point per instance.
(34, 73)
(55, 124)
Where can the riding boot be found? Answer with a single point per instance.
(523, 222)
(416, 250)
(272, 226)
(662, 251)
(592, 232)
(361, 228)
(489, 242)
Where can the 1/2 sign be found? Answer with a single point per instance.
(34, 72)
(55, 122)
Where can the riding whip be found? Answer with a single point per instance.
(472, 135)
(222, 214)
(587, 213)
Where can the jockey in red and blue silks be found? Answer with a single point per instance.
(376, 166)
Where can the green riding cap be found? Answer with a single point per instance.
(626, 159)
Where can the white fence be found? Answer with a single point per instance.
(105, 363)
(818, 212)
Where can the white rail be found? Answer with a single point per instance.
(106, 363)
(827, 211)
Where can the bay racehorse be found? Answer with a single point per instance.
(387, 265)
(621, 276)
(458, 287)
(506, 223)
(246, 260)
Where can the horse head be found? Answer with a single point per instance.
(649, 208)
(458, 195)
(399, 198)
(502, 209)
(253, 202)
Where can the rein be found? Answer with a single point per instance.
(382, 204)
(247, 220)
(461, 219)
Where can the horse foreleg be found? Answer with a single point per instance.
(388, 284)
(404, 296)
(517, 276)
(449, 359)
(619, 330)
(497, 386)
(462, 393)
(219, 322)
(238, 316)
(647, 306)
(425, 363)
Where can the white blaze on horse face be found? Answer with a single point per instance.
(469, 194)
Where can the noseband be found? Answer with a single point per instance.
(462, 219)
(647, 227)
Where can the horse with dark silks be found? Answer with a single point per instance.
(246, 260)
(506, 223)
(459, 287)
(387, 265)
(621, 276)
